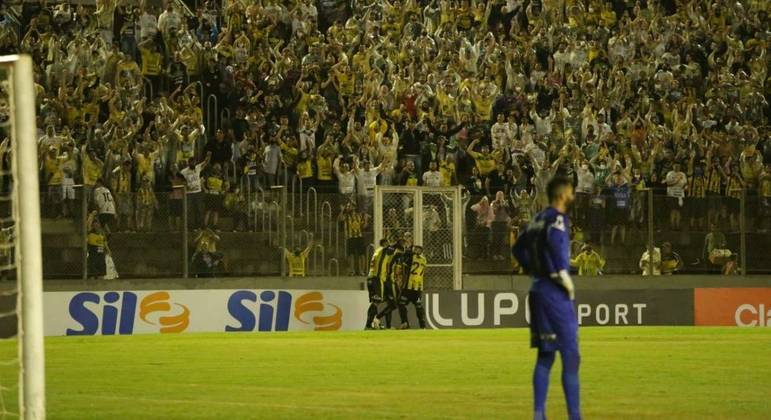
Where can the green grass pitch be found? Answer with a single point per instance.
(640, 372)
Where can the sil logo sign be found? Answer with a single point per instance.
(115, 313)
(272, 311)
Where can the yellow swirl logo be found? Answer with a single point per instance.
(313, 303)
(158, 302)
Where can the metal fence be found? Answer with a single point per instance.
(169, 237)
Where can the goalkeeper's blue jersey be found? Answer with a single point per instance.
(544, 249)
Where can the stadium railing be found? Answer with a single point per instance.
(253, 231)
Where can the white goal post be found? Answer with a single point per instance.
(26, 217)
(432, 216)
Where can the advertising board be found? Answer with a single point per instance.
(175, 311)
(740, 307)
(489, 309)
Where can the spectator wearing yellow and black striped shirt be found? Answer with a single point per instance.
(354, 223)
(713, 175)
(733, 194)
(697, 193)
(215, 186)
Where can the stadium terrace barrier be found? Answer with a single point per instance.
(247, 310)
(334, 281)
(253, 232)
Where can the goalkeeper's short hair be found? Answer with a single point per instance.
(556, 185)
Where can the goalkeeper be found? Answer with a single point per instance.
(544, 252)
(415, 262)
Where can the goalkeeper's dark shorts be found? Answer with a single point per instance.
(553, 322)
(375, 289)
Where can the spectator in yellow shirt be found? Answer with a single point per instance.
(589, 262)
(297, 260)
(447, 171)
(147, 204)
(483, 160)
(92, 169)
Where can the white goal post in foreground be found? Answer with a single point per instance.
(25, 246)
(432, 217)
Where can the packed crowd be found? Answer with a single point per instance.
(497, 96)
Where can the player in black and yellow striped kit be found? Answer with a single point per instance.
(390, 273)
(374, 284)
(412, 292)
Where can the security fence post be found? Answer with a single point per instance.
(650, 231)
(185, 244)
(84, 230)
(743, 231)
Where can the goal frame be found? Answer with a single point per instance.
(28, 250)
(457, 221)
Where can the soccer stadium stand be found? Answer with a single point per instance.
(254, 122)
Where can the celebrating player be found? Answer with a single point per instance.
(374, 285)
(415, 261)
(393, 259)
(544, 252)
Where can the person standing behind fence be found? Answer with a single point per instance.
(484, 218)
(236, 204)
(53, 175)
(676, 182)
(366, 179)
(221, 151)
(92, 170)
(584, 191)
(96, 242)
(176, 198)
(697, 192)
(305, 170)
(251, 167)
(733, 194)
(499, 226)
(354, 223)
(620, 205)
(271, 159)
(346, 180)
(325, 155)
(588, 262)
(120, 180)
(637, 184)
(297, 260)
(214, 187)
(432, 224)
(207, 261)
(192, 176)
(147, 203)
(105, 205)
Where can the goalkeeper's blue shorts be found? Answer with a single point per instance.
(553, 322)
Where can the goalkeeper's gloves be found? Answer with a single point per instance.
(564, 279)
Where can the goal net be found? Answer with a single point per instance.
(21, 320)
(428, 216)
